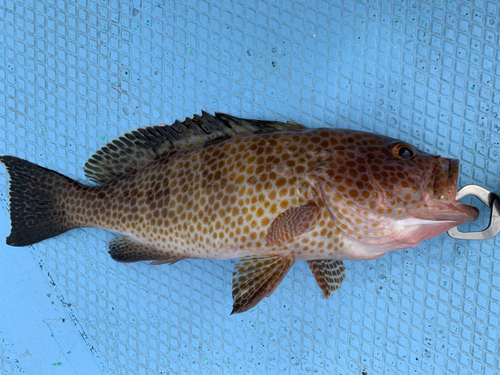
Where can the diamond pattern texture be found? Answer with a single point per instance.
(76, 74)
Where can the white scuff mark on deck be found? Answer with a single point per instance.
(39, 334)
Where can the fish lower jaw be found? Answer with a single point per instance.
(399, 235)
(411, 231)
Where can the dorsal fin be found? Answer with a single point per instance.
(136, 149)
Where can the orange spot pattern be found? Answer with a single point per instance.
(219, 200)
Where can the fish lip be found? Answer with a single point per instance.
(458, 213)
(469, 212)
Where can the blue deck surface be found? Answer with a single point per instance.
(76, 74)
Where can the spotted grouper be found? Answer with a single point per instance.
(268, 193)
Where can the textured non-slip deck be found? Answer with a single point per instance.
(76, 74)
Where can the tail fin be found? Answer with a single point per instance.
(34, 210)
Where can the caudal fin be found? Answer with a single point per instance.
(35, 213)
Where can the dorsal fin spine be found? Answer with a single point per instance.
(139, 147)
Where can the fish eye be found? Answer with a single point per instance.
(403, 152)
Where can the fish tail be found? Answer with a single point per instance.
(36, 211)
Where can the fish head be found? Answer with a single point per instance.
(387, 194)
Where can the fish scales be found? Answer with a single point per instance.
(216, 201)
(268, 193)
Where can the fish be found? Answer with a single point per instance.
(266, 193)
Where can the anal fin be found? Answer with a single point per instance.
(328, 273)
(127, 250)
(256, 277)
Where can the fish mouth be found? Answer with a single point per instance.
(441, 203)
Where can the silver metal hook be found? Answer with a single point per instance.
(490, 199)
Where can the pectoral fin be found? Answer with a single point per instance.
(328, 273)
(126, 249)
(256, 277)
(292, 223)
